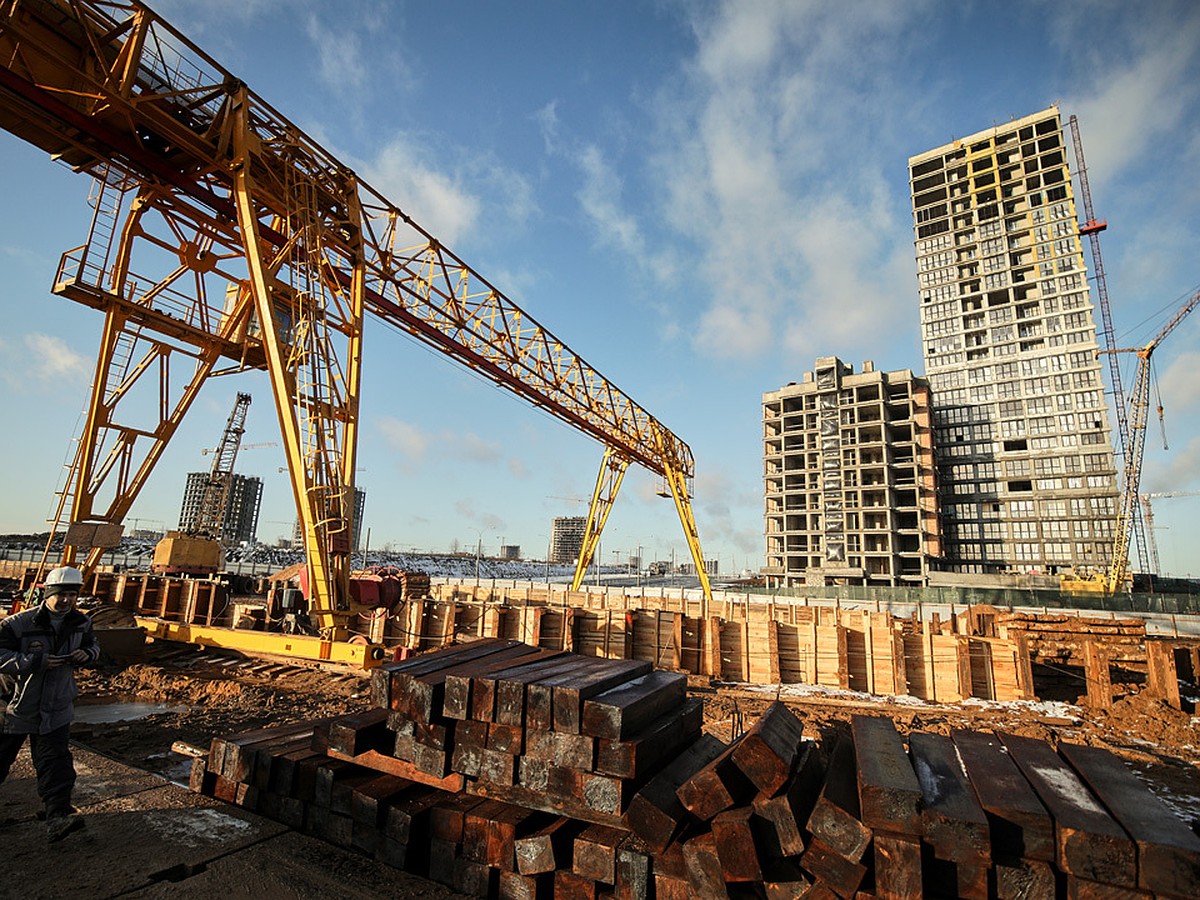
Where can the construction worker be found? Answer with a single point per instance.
(39, 650)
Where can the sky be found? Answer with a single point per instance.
(699, 198)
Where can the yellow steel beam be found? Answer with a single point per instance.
(608, 482)
(264, 642)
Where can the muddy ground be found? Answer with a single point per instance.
(211, 695)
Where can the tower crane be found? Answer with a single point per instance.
(223, 234)
(1092, 228)
(1148, 511)
(1139, 412)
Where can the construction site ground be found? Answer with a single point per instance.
(127, 765)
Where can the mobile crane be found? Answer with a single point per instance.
(222, 232)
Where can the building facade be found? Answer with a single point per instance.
(1026, 468)
(849, 487)
(240, 523)
(566, 539)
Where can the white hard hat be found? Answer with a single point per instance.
(63, 578)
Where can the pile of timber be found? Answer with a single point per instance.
(502, 770)
(1064, 637)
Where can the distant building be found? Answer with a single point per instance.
(849, 478)
(240, 523)
(1025, 457)
(510, 551)
(566, 539)
(711, 567)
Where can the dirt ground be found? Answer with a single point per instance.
(215, 695)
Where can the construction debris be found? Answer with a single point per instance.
(501, 769)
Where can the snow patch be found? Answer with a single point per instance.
(196, 827)
(1069, 787)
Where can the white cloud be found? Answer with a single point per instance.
(473, 447)
(437, 200)
(405, 439)
(764, 172)
(1179, 385)
(52, 358)
(340, 57)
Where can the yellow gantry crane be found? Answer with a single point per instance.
(223, 239)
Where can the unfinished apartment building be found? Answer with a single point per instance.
(1025, 460)
(566, 538)
(849, 478)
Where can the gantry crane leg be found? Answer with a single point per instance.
(612, 471)
(677, 482)
(115, 459)
(321, 465)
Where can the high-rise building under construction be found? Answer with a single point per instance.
(1027, 478)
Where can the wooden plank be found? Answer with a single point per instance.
(888, 792)
(898, 874)
(382, 676)
(716, 787)
(655, 812)
(510, 689)
(359, 732)
(547, 848)
(595, 852)
(539, 695)
(659, 740)
(634, 864)
(619, 713)
(456, 701)
(446, 818)
(543, 801)
(1168, 852)
(389, 764)
(736, 846)
(836, 817)
(1017, 819)
(841, 875)
(704, 871)
(1099, 676)
(568, 696)
(419, 694)
(470, 740)
(952, 819)
(1023, 879)
(766, 752)
(783, 816)
(1090, 844)
(369, 801)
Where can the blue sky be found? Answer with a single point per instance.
(699, 198)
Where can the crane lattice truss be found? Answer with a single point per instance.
(210, 519)
(223, 235)
(1092, 228)
(1139, 415)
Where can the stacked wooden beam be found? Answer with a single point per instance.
(503, 770)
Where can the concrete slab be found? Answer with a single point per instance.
(146, 837)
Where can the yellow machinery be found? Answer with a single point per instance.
(1118, 576)
(225, 239)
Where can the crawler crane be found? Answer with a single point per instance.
(224, 239)
(197, 548)
(1118, 576)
